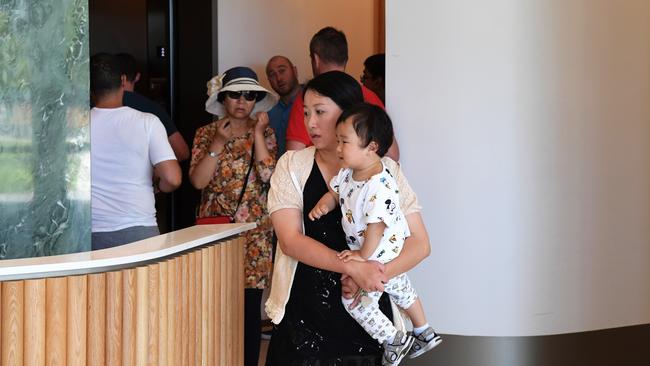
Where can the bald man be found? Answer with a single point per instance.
(283, 77)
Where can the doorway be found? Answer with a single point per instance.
(172, 44)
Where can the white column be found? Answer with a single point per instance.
(524, 126)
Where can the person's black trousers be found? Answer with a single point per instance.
(252, 325)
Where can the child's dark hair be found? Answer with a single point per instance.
(371, 123)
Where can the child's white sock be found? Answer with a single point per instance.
(418, 330)
(391, 338)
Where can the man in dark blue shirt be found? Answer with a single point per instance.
(283, 77)
(130, 76)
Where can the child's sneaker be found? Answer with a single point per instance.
(424, 342)
(395, 352)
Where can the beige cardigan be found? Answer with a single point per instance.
(287, 184)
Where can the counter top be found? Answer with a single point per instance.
(127, 255)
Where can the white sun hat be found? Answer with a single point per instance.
(237, 79)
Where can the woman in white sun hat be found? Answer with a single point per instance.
(232, 162)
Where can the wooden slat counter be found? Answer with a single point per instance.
(175, 299)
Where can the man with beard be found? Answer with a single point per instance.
(283, 77)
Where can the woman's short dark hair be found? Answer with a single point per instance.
(340, 87)
(105, 74)
(371, 123)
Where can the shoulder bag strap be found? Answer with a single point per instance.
(250, 167)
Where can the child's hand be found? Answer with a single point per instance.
(351, 255)
(319, 210)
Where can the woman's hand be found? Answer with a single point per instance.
(352, 285)
(350, 290)
(262, 122)
(202, 172)
(369, 275)
(265, 146)
(224, 132)
(348, 286)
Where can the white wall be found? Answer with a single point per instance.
(525, 128)
(252, 31)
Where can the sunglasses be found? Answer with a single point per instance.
(249, 95)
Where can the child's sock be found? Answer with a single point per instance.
(391, 338)
(418, 330)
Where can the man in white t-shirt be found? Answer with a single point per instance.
(129, 154)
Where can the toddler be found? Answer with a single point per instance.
(375, 228)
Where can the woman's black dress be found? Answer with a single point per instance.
(316, 330)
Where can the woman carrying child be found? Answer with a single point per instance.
(313, 326)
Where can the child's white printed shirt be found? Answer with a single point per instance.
(371, 201)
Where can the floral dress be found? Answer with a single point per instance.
(220, 196)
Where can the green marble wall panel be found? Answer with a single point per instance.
(44, 130)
